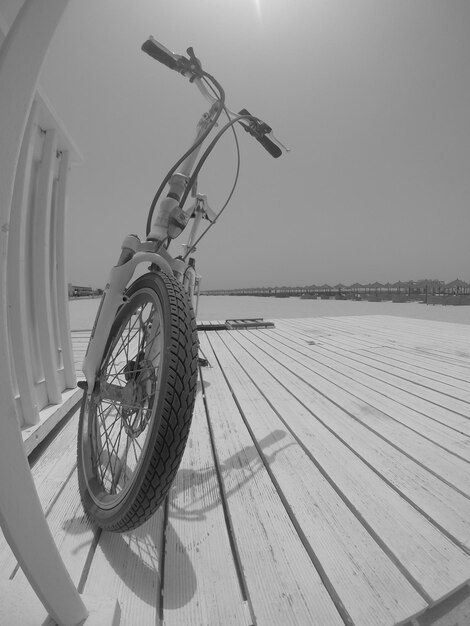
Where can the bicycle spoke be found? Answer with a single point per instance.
(110, 448)
(119, 428)
(110, 462)
(114, 469)
(124, 464)
(108, 428)
(126, 344)
(127, 339)
(135, 443)
(113, 472)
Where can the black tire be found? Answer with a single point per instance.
(141, 406)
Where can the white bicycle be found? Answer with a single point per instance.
(141, 362)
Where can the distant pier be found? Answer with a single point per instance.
(456, 292)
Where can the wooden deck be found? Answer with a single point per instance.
(326, 482)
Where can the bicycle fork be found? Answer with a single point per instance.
(133, 254)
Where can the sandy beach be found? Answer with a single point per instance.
(82, 312)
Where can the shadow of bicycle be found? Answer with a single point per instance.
(199, 489)
(136, 560)
(137, 557)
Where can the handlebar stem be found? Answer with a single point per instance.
(170, 220)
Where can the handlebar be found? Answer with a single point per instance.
(192, 69)
(158, 52)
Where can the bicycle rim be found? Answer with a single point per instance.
(122, 409)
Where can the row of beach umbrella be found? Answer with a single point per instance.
(421, 286)
(436, 285)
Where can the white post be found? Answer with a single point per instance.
(61, 278)
(22, 520)
(41, 286)
(18, 284)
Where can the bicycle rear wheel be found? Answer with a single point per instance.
(133, 429)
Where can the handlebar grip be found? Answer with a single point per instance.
(258, 130)
(274, 150)
(157, 51)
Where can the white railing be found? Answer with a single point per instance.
(35, 352)
(38, 318)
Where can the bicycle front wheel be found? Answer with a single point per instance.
(134, 426)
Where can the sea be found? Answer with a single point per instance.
(83, 310)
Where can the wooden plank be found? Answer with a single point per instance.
(34, 541)
(212, 326)
(283, 584)
(400, 355)
(50, 416)
(434, 347)
(50, 473)
(440, 395)
(441, 408)
(128, 566)
(324, 327)
(458, 398)
(390, 329)
(436, 368)
(456, 442)
(452, 332)
(427, 425)
(400, 408)
(236, 324)
(56, 464)
(72, 532)
(339, 411)
(435, 564)
(417, 393)
(448, 381)
(452, 339)
(425, 329)
(200, 578)
(8, 560)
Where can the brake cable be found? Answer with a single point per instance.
(237, 173)
(196, 144)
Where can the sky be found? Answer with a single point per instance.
(371, 96)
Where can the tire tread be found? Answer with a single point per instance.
(176, 413)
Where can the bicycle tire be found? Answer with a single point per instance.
(143, 401)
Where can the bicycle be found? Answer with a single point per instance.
(141, 362)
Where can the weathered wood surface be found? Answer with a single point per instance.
(326, 481)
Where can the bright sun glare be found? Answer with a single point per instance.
(258, 7)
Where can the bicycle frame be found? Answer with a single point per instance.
(170, 221)
(141, 365)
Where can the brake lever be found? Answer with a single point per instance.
(191, 67)
(259, 129)
(277, 142)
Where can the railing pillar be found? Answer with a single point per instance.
(60, 278)
(18, 281)
(38, 315)
(41, 274)
(21, 516)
